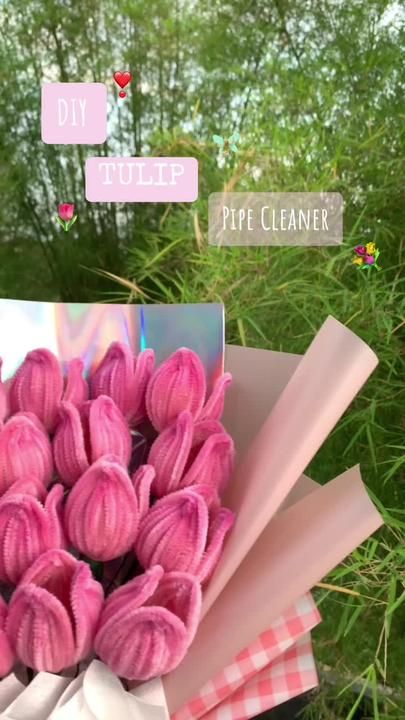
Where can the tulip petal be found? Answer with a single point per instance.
(221, 523)
(213, 464)
(177, 385)
(214, 406)
(134, 593)
(25, 451)
(144, 365)
(4, 404)
(69, 447)
(174, 532)
(86, 602)
(180, 593)
(37, 387)
(114, 376)
(26, 531)
(6, 653)
(147, 643)
(169, 454)
(101, 513)
(142, 482)
(39, 628)
(76, 389)
(109, 433)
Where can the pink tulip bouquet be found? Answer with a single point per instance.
(158, 536)
(102, 553)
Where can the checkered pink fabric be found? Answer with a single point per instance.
(251, 671)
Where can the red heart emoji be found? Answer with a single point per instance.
(122, 78)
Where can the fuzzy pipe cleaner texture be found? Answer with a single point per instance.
(75, 502)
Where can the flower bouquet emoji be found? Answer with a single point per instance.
(366, 256)
(173, 580)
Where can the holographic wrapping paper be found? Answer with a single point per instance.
(86, 330)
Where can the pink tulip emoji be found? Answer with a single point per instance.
(6, 653)
(27, 529)
(53, 613)
(124, 378)
(38, 386)
(188, 453)
(179, 533)
(84, 435)
(104, 508)
(147, 625)
(179, 384)
(66, 215)
(25, 451)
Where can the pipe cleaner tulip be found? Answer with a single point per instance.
(147, 625)
(4, 404)
(179, 384)
(53, 613)
(179, 533)
(28, 529)
(6, 653)
(25, 451)
(38, 386)
(86, 434)
(188, 453)
(102, 511)
(124, 378)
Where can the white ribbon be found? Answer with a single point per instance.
(96, 694)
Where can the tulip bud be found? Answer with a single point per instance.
(6, 653)
(25, 451)
(37, 387)
(124, 378)
(148, 624)
(84, 436)
(76, 390)
(177, 385)
(101, 514)
(53, 613)
(177, 534)
(142, 483)
(187, 454)
(28, 529)
(4, 409)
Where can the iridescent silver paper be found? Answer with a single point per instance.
(86, 330)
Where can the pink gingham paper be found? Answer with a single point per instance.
(277, 666)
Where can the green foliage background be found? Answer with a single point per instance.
(316, 91)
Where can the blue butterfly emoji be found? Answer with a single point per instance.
(227, 145)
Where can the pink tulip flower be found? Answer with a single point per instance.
(179, 533)
(28, 529)
(4, 404)
(6, 653)
(124, 378)
(66, 211)
(38, 386)
(86, 434)
(148, 624)
(179, 384)
(188, 453)
(53, 613)
(103, 510)
(25, 451)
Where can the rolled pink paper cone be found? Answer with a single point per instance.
(329, 376)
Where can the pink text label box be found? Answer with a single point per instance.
(74, 113)
(130, 179)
